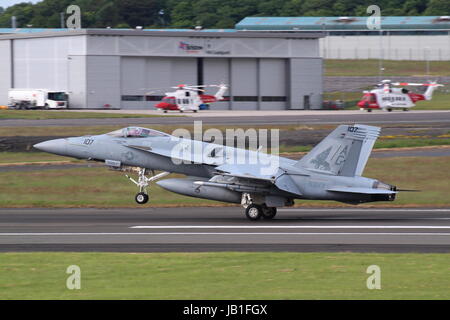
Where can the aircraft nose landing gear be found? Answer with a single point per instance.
(142, 197)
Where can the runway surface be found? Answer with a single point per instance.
(254, 118)
(224, 229)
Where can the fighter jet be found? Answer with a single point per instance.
(260, 182)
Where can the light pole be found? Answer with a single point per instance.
(380, 60)
(427, 60)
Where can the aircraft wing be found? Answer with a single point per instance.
(253, 176)
(257, 176)
(187, 157)
(248, 171)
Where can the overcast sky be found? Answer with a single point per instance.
(8, 3)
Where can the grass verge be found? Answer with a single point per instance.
(31, 157)
(385, 143)
(440, 101)
(224, 275)
(370, 67)
(98, 187)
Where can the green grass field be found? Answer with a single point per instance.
(224, 276)
(100, 187)
(55, 114)
(440, 101)
(31, 157)
(370, 67)
(386, 143)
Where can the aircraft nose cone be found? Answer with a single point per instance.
(57, 146)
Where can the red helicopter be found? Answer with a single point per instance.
(190, 98)
(388, 98)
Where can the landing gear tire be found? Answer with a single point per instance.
(269, 213)
(195, 111)
(389, 110)
(141, 198)
(369, 110)
(165, 111)
(254, 212)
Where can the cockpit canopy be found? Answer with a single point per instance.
(137, 132)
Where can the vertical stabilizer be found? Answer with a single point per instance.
(431, 87)
(343, 152)
(222, 89)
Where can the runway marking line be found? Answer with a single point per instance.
(363, 210)
(229, 233)
(289, 227)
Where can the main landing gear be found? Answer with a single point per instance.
(143, 181)
(254, 211)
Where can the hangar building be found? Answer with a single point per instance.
(399, 38)
(126, 68)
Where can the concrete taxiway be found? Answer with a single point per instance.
(225, 229)
(254, 117)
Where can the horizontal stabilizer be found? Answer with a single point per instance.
(361, 190)
(284, 182)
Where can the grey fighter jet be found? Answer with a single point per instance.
(260, 182)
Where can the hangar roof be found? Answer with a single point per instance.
(342, 23)
(33, 30)
(226, 33)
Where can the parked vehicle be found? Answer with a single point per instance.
(37, 99)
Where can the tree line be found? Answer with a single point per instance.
(205, 13)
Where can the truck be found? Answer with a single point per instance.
(37, 99)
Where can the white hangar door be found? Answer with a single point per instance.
(103, 81)
(306, 83)
(5, 70)
(244, 83)
(76, 82)
(217, 71)
(183, 71)
(135, 83)
(146, 79)
(272, 80)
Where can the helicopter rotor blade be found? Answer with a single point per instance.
(417, 84)
(193, 89)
